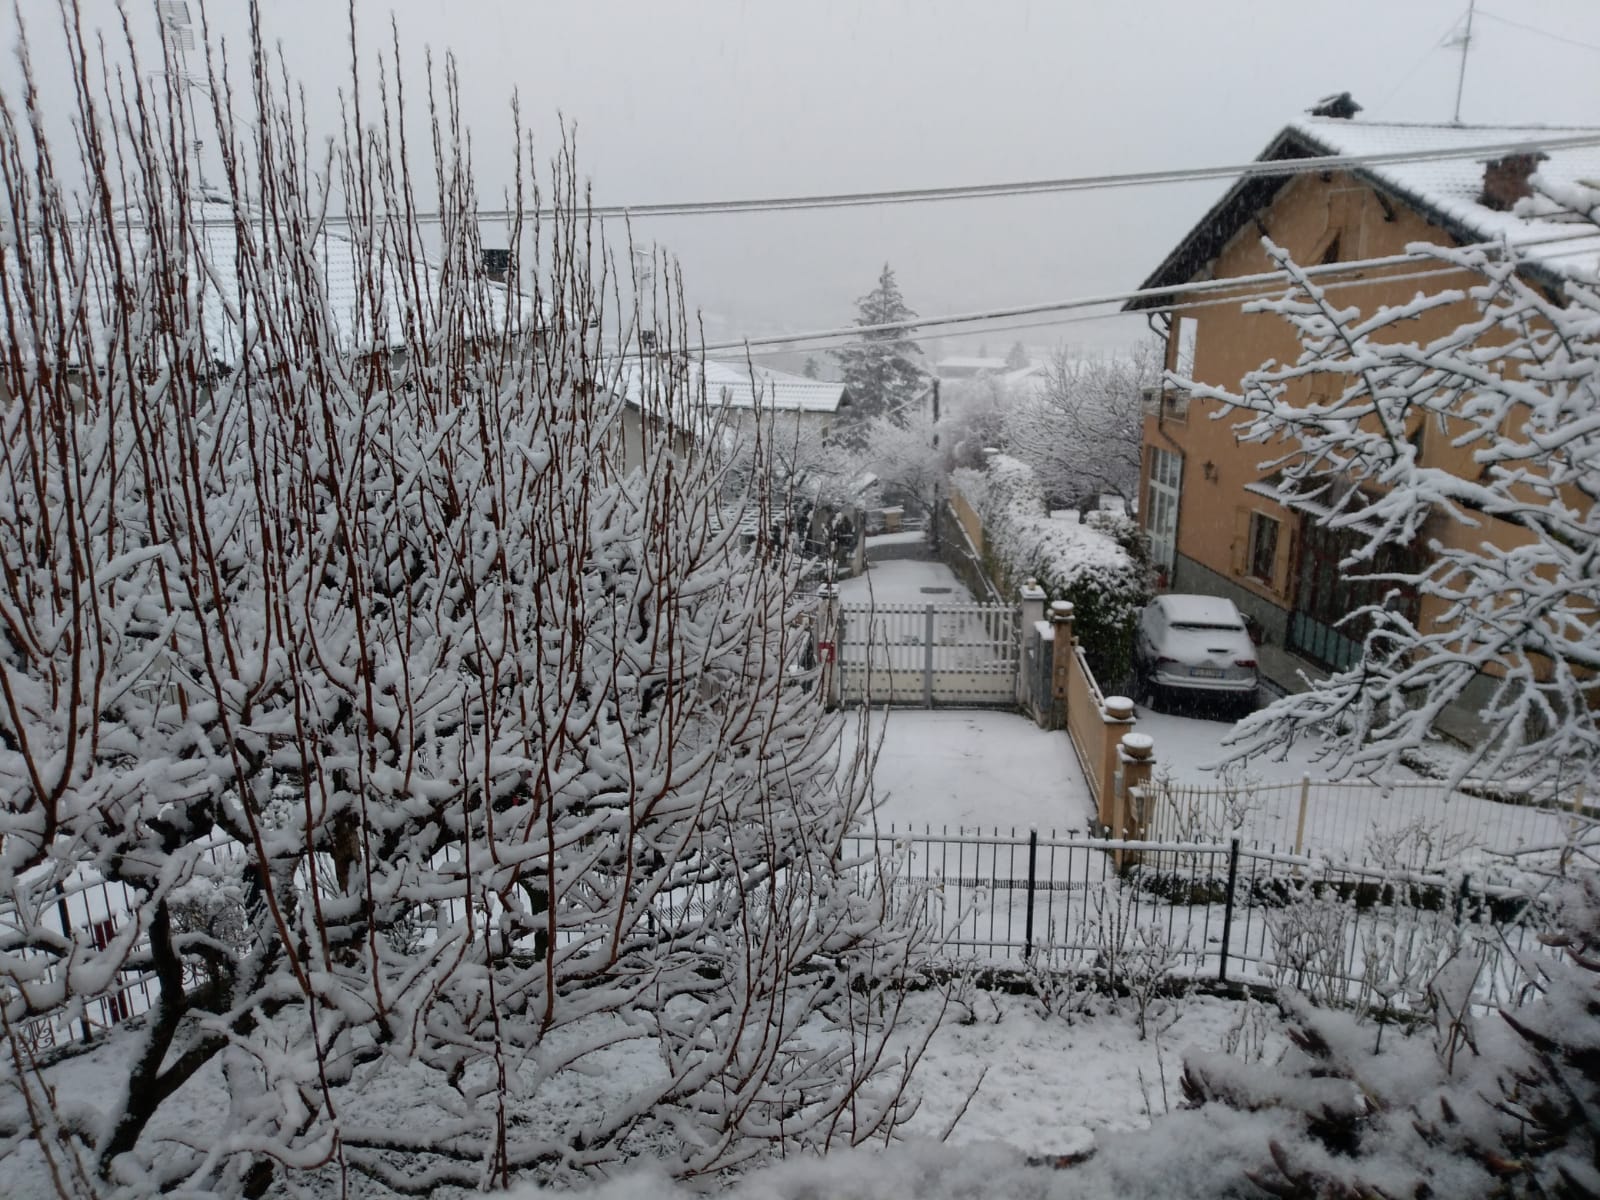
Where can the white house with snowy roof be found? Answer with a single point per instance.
(1215, 527)
(966, 366)
(688, 399)
(370, 302)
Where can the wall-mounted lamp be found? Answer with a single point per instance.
(1209, 470)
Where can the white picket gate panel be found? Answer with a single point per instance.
(928, 654)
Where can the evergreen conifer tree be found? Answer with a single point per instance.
(883, 369)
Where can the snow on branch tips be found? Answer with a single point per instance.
(1453, 443)
(441, 780)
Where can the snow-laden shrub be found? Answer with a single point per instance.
(1500, 1105)
(1078, 562)
(439, 766)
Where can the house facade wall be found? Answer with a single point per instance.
(1330, 217)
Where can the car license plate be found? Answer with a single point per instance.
(1205, 672)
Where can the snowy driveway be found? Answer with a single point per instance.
(976, 767)
(905, 581)
(1188, 744)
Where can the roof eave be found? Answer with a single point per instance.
(1249, 195)
(1241, 201)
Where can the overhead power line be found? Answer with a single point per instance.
(1033, 187)
(1081, 318)
(1235, 284)
(1554, 37)
(1081, 183)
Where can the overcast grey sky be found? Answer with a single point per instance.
(702, 99)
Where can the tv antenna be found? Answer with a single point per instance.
(177, 32)
(1464, 40)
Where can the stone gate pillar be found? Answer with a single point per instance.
(1135, 761)
(1030, 612)
(1061, 619)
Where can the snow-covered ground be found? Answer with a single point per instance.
(1049, 1087)
(1045, 1085)
(975, 767)
(905, 581)
(1189, 744)
(902, 537)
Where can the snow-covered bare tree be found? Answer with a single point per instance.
(447, 785)
(1480, 448)
(906, 457)
(882, 368)
(911, 458)
(1080, 424)
(974, 415)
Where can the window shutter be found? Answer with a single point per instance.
(1241, 540)
(1284, 558)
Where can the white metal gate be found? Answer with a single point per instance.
(928, 654)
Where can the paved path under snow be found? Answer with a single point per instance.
(905, 581)
(975, 767)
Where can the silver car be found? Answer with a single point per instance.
(1195, 645)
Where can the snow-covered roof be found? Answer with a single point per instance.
(1450, 188)
(739, 386)
(1445, 191)
(962, 366)
(1184, 609)
(213, 273)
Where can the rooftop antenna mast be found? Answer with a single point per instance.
(177, 31)
(1464, 41)
(644, 276)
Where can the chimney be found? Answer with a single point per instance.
(1505, 180)
(497, 264)
(1341, 107)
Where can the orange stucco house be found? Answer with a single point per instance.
(1213, 526)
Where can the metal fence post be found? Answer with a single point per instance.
(927, 659)
(1033, 863)
(1300, 824)
(1227, 909)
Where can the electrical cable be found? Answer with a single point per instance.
(1082, 183)
(1554, 37)
(1405, 77)
(1232, 284)
(1085, 318)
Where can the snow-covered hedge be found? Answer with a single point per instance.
(1092, 567)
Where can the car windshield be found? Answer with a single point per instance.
(1201, 626)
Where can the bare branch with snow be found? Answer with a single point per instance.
(1479, 450)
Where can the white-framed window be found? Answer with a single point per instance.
(1175, 399)
(1161, 503)
(1188, 335)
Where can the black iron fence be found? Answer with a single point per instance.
(1018, 899)
(1218, 911)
